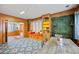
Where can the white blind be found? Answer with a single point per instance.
(77, 25)
(36, 25)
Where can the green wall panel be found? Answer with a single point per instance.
(62, 25)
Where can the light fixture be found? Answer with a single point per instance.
(67, 5)
(22, 12)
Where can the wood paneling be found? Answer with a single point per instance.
(77, 8)
(1, 31)
(12, 18)
(26, 28)
(5, 18)
(16, 33)
(77, 42)
(63, 13)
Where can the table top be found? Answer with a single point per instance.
(53, 47)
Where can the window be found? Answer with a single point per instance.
(76, 25)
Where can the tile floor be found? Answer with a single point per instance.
(20, 46)
(29, 46)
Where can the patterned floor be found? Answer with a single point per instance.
(20, 46)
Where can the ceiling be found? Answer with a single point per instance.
(28, 11)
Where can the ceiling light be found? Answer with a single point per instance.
(67, 6)
(22, 12)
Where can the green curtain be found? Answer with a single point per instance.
(62, 25)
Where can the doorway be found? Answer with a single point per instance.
(12, 29)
